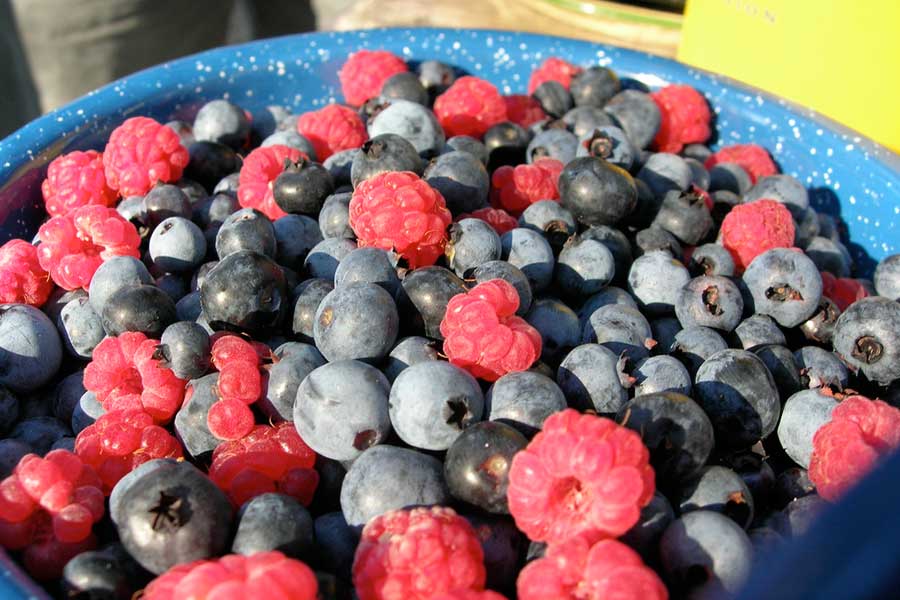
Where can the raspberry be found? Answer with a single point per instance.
(516, 188)
(76, 179)
(752, 158)
(575, 570)
(843, 291)
(332, 129)
(497, 218)
(227, 347)
(469, 595)
(269, 459)
(261, 575)
(125, 373)
(365, 72)
(120, 441)
(469, 107)
(230, 419)
(140, 153)
(22, 279)
(553, 69)
(580, 475)
(398, 210)
(684, 116)
(416, 554)
(483, 335)
(523, 110)
(258, 173)
(74, 245)
(846, 448)
(750, 229)
(240, 380)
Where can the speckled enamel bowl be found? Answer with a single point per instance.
(848, 175)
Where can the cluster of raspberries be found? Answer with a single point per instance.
(516, 188)
(843, 291)
(750, 229)
(239, 385)
(22, 279)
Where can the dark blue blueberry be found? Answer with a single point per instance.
(506, 143)
(554, 98)
(40, 433)
(589, 378)
(718, 489)
(273, 522)
(655, 280)
(524, 400)
(86, 411)
(821, 368)
(783, 188)
(645, 534)
(309, 295)
(584, 267)
(887, 277)
(322, 261)
(223, 122)
(467, 144)
(295, 236)
(654, 239)
(550, 218)
(188, 308)
(500, 269)
(582, 120)
(472, 243)
(244, 292)
(246, 229)
(423, 301)
(758, 330)
(334, 218)
(184, 347)
(164, 201)
(699, 174)
(408, 351)
(369, 265)
(530, 252)
(503, 546)
(335, 544)
(622, 329)
(595, 86)
(781, 364)
(664, 172)
(661, 374)
(339, 165)
(411, 121)
(804, 413)
(710, 301)
(266, 121)
(694, 345)
(435, 76)
(100, 574)
(405, 86)
(664, 331)
(585, 179)
(729, 177)
(356, 321)
(684, 215)
(785, 285)
(295, 362)
(829, 256)
(606, 296)
(559, 144)
(461, 179)
(797, 517)
(384, 153)
(210, 162)
(791, 484)
(558, 325)
(30, 348)
(67, 394)
(11, 451)
(636, 113)
(9, 410)
(175, 285)
(143, 308)
(867, 337)
(302, 187)
(609, 143)
(711, 259)
(190, 420)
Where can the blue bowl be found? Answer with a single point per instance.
(847, 174)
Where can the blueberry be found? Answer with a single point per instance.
(705, 554)
(11, 452)
(132, 209)
(758, 330)
(334, 218)
(782, 188)
(80, 328)
(887, 277)
(558, 325)
(86, 411)
(210, 162)
(661, 374)
(190, 420)
(223, 122)
(645, 534)
(244, 292)
(829, 256)
(171, 515)
(183, 129)
(718, 489)
(30, 348)
(335, 544)
(308, 295)
(798, 515)
(246, 229)
(785, 285)
(228, 184)
(472, 243)
(711, 259)
(636, 113)
(294, 362)
(188, 308)
(302, 187)
(462, 180)
(404, 86)
(664, 331)
(143, 308)
(559, 144)
(605, 297)
(175, 285)
(664, 172)
(730, 177)
(594, 86)
(584, 180)
(675, 429)
(867, 337)
(523, 400)
(273, 522)
(582, 120)
(503, 546)
(804, 413)
(341, 409)
(530, 252)
(435, 76)
(589, 378)
(322, 261)
(423, 301)
(655, 280)
(738, 393)
(214, 210)
(699, 174)
(96, 574)
(477, 464)
(655, 239)
(40, 433)
(609, 143)
(386, 478)
(114, 274)
(432, 402)
(164, 201)
(693, 345)
(506, 143)
(821, 368)
(369, 265)
(9, 410)
(295, 236)
(553, 98)
(67, 394)
(550, 218)
(384, 153)
(467, 144)
(500, 269)
(184, 347)
(584, 267)
(356, 321)
(177, 245)
(292, 139)
(684, 215)
(412, 121)
(710, 301)
(806, 228)
(339, 165)
(408, 351)
(328, 493)
(781, 364)
(622, 329)
(791, 484)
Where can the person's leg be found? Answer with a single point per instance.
(281, 17)
(18, 100)
(75, 46)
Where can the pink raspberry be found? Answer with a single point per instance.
(575, 570)
(516, 188)
(469, 107)
(140, 153)
(76, 179)
(227, 347)
(74, 245)
(497, 218)
(750, 229)
(22, 279)
(483, 335)
(684, 116)
(122, 440)
(553, 69)
(860, 432)
(469, 595)
(523, 110)
(580, 475)
(235, 576)
(230, 419)
(332, 129)
(843, 291)
(751, 157)
(401, 212)
(365, 72)
(258, 173)
(125, 373)
(415, 554)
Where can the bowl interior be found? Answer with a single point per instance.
(847, 174)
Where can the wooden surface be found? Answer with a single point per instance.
(639, 28)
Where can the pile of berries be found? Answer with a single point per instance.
(440, 342)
